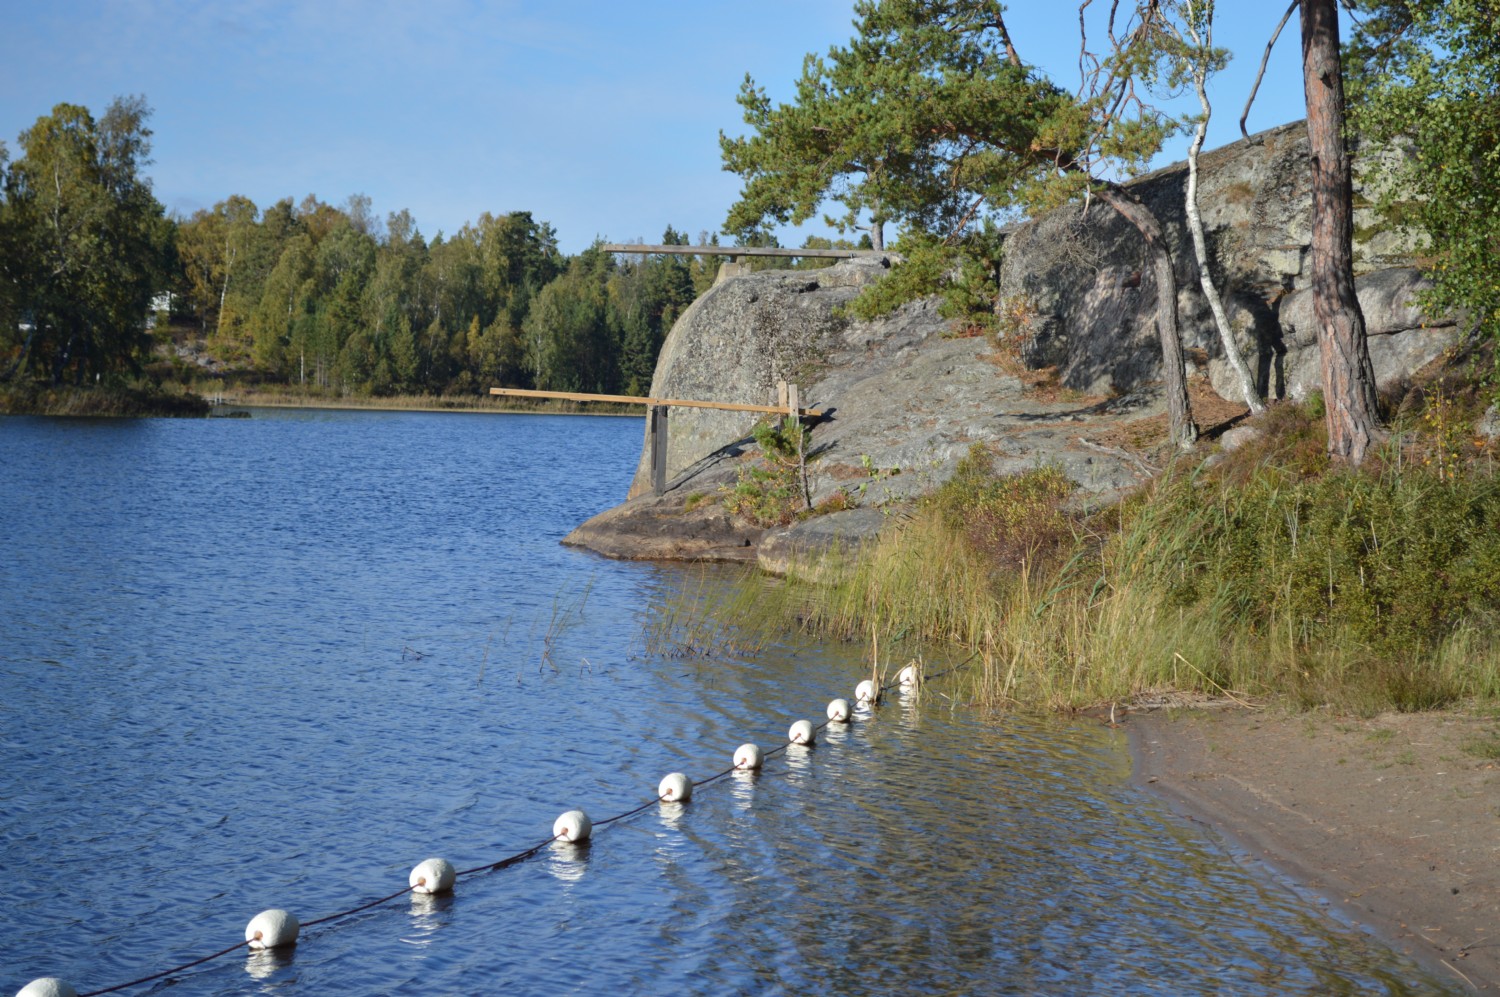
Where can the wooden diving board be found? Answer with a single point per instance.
(582, 396)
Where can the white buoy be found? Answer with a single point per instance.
(747, 757)
(910, 677)
(867, 692)
(838, 711)
(432, 876)
(802, 733)
(272, 929)
(47, 986)
(573, 826)
(675, 788)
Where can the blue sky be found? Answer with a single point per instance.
(600, 118)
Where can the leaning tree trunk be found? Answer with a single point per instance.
(1184, 433)
(1348, 376)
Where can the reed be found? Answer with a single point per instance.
(1270, 575)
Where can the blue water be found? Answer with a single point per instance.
(276, 662)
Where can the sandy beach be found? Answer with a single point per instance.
(1394, 820)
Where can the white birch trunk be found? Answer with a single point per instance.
(1200, 246)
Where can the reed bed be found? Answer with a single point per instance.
(1268, 575)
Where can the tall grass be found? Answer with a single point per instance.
(1271, 574)
(134, 399)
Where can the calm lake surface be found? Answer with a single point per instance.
(276, 662)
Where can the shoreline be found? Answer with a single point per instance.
(347, 406)
(1390, 820)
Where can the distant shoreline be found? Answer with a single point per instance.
(379, 405)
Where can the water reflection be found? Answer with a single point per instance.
(567, 861)
(429, 914)
(265, 963)
(742, 787)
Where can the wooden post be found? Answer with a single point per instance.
(793, 401)
(657, 431)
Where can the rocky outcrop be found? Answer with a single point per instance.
(1075, 278)
(904, 398)
(736, 342)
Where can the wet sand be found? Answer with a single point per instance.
(1394, 820)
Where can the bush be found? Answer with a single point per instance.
(1015, 520)
(771, 490)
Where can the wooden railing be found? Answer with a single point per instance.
(788, 395)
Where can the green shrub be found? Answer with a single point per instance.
(772, 490)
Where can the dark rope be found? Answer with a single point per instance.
(169, 972)
(356, 910)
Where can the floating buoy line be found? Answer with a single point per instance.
(278, 928)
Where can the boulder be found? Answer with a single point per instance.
(736, 342)
(809, 549)
(1400, 339)
(904, 399)
(1079, 275)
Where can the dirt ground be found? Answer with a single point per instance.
(1396, 819)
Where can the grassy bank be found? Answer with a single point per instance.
(1264, 573)
(126, 401)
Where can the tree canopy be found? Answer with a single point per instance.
(86, 244)
(1426, 73)
(305, 293)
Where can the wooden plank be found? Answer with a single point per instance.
(836, 254)
(583, 396)
(657, 421)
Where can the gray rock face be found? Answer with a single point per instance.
(904, 402)
(905, 399)
(809, 549)
(736, 342)
(1400, 339)
(1081, 278)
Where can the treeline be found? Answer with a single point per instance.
(310, 294)
(305, 293)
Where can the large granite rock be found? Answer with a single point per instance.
(736, 342)
(905, 398)
(1078, 279)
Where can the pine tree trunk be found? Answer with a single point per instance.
(1348, 376)
(1183, 431)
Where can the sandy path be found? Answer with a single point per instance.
(1396, 820)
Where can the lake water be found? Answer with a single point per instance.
(276, 662)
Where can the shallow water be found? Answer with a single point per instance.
(277, 661)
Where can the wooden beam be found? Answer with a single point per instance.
(656, 422)
(583, 396)
(837, 254)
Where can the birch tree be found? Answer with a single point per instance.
(1198, 59)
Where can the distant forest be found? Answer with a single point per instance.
(332, 299)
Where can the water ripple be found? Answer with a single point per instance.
(277, 662)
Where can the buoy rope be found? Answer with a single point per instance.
(373, 903)
(167, 972)
(504, 863)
